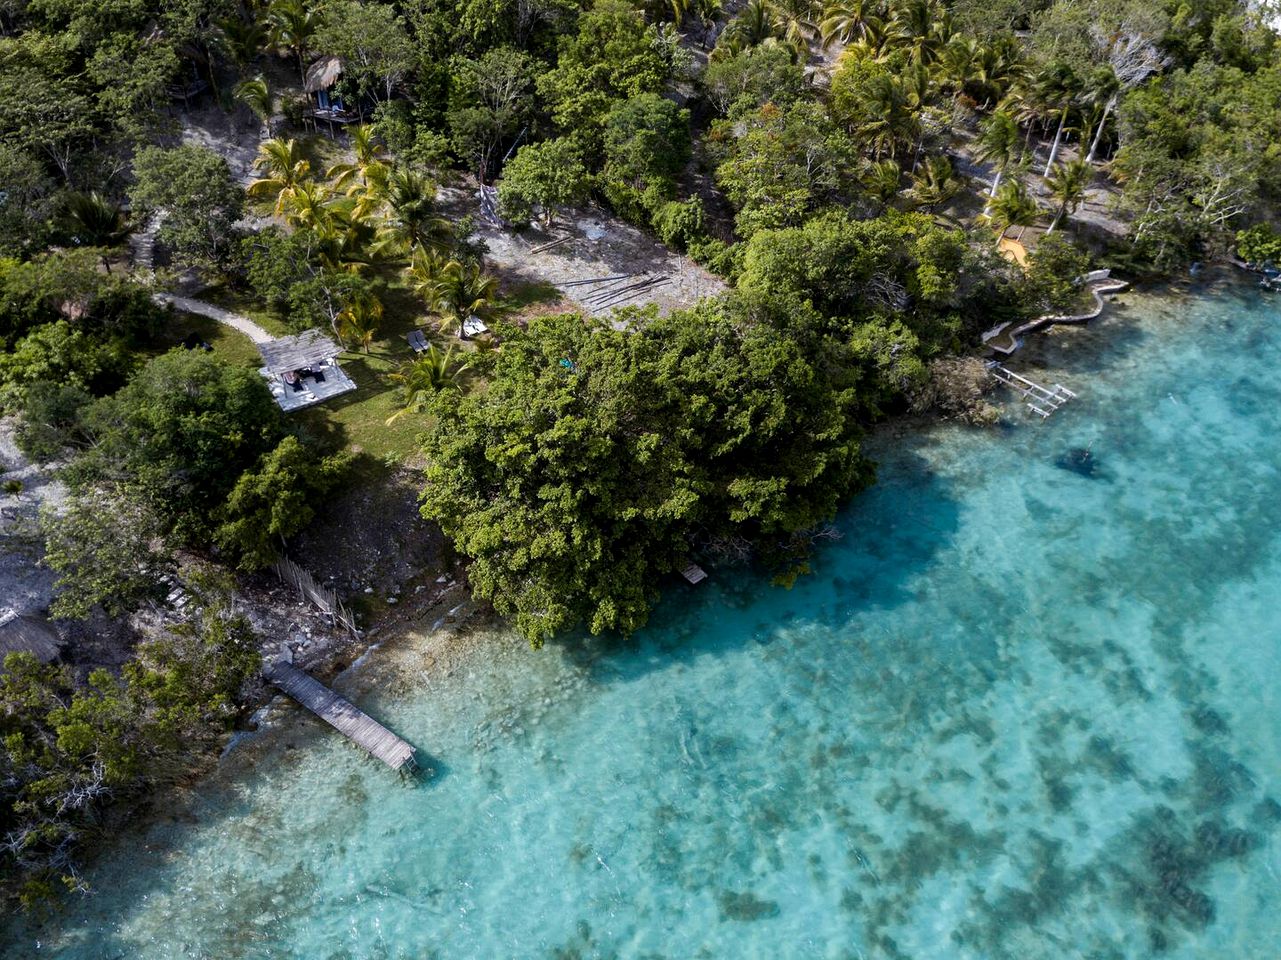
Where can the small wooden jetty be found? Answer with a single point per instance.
(357, 726)
(1042, 401)
(694, 573)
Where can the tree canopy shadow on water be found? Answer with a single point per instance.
(888, 536)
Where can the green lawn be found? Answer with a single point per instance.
(231, 345)
(360, 417)
(357, 420)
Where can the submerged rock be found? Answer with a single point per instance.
(1080, 460)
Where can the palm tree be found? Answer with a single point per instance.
(1000, 64)
(1067, 185)
(881, 179)
(798, 19)
(412, 221)
(1058, 86)
(759, 24)
(369, 155)
(843, 20)
(358, 321)
(291, 26)
(921, 27)
(91, 220)
(998, 144)
(463, 291)
(430, 373)
(307, 204)
(426, 269)
(1011, 207)
(256, 95)
(888, 103)
(958, 64)
(345, 241)
(934, 184)
(286, 172)
(673, 10)
(1101, 87)
(242, 39)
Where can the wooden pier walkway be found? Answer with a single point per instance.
(357, 726)
(1042, 401)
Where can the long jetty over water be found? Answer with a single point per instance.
(356, 725)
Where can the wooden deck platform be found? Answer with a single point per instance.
(694, 573)
(357, 726)
(1042, 401)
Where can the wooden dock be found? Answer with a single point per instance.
(1042, 401)
(357, 726)
(694, 573)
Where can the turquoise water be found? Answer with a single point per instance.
(1017, 712)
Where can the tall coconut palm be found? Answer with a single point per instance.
(256, 95)
(1059, 88)
(759, 24)
(999, 145)
(799, 19)
(463, 291)
(661, 10)
(920, 27)
(892, 114)
(430, 373)
(873, 43)
(934, 183)
(1067, 185)
(359, 319)
(284, 172)
(1011, 207)
(412, 221)
(369, 155)
(91, 220)
(426, 270)
(291, 26)
(345, 241)
(881, 179)
(958, 64)
(844, 20)
(1102, 90)
(242, 39)
(307, 204)
(1000, 64)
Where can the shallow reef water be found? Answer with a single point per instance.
(1014, 713)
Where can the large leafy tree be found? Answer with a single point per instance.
(373, 42)
(596, 458)
(612, 56)
(108, 549)
(27, 201)
(646, 146)
(200, 200)
(179, 435)
(757, 75)
(491, 101)
(67, 749)
(276, 500)
(546, 176)
(784, 165)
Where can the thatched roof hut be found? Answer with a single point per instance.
(20, 633)
(323, 74)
